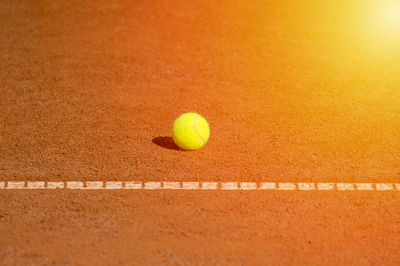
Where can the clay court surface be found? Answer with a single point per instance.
(297, 94)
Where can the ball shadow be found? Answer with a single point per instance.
(166, 142)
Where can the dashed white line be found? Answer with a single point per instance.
(268, 185)
(54, 185)
(229, 185)
(15, 185)
(74, 185)
(209, 185)
(382, 186)
(326, 186)
(364, 186)
(306, 186)
(248, 185)
(94, 185)
(179, 185)
(286, 186)
(35, 185)
(134, 185)
(190, 185)
(345, 186)
(113, 185)
(152, 185)
(171, 185)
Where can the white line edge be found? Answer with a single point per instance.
(190, 185)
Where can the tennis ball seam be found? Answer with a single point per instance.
(195, 129)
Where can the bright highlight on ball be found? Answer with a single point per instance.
(387, 16)
(391, 14)
(190, 131)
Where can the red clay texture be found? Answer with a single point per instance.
(293, 92)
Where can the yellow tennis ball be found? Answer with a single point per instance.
(190, 131)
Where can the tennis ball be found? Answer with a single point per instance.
(190, 131)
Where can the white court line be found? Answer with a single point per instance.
(306, 186)
(74, 185)
(286, 186)
(209, 185)
(229, 185)
(54, 185)
(268, 185)
(35, 185)
(15, 185)
(248, 185)
(113, 185)
(345, 186)
(94, 185)
(171, 185)
(190, 185)
(383, 186)
(326, 186)
(365, 186)
(133, 185)
(179, 185)
(152, 185)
